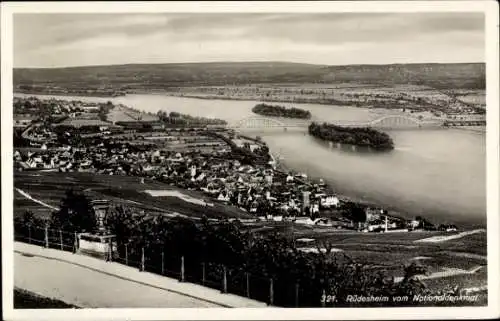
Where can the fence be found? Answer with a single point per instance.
(46, 237)
(287, 293)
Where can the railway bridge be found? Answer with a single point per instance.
(383, 122)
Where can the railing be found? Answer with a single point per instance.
(278, 291)
(287, 293)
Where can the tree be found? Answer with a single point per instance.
(120, 222)
(29, 219)
(354, 211)
(411, 284)
(75, 213)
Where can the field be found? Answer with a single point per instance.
(408, 98)
(50, 187)
(393, 251)
(387, 251)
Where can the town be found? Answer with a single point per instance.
(205, 156)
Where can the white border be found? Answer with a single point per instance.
(490, 8)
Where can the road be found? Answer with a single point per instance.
(445, 272)
(28, 196)
(92, 283)
(444, 238)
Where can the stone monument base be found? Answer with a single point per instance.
(102, 246)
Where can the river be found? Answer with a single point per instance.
(436, 173)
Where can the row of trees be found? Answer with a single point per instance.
(33, 106)
(359, 136)
(280, 111)
(228, 246)
(184, 119)
(104, 109)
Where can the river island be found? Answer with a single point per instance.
(358, 136)
(280, 111)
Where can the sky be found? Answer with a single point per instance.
(61, 40)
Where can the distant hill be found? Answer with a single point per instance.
(162, 76)
(462, 75)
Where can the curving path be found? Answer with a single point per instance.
(444, 238)
(93, 283)
(28, 196)
(446, 272)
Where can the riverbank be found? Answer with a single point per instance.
(297, 99)
(67, 94)
(476, 129)
(261, 99)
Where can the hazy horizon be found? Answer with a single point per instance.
(251, 62)
(332, 39)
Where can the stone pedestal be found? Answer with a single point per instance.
(102, 246)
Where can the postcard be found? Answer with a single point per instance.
(250, 160)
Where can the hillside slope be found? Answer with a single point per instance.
(162, 76)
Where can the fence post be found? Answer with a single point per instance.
(142, 260)
(296, 294)
(162, 263)
(182, 268)
(61, 240)
(126, 254)
(203, 273)
(248, 284)
(29, 233)
(110, 250)
(46, 236)
(224, 280)
(76, 243)
(271, 291)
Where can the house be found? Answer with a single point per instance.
(224, 197)
(447, 228)
(329, 201)
(157, 126)
(413, 224)
(373, 214)
(35, 162)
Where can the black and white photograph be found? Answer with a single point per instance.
(288, 155)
